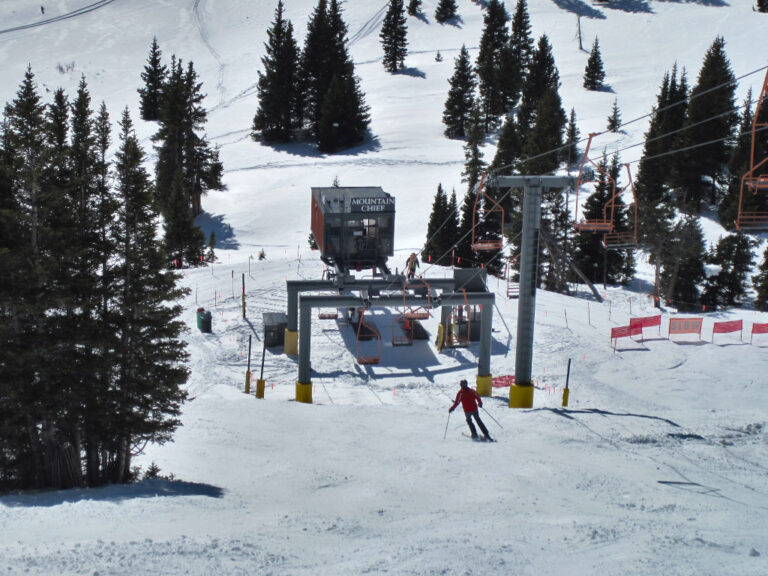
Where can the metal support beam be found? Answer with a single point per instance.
(350, 284)
(526, 304)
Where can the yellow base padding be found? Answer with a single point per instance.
(304, 393)
(291, 345)
(485, 385)
(566, 393)
(260, 388)
(521, 396)
(247, 381)
(440, 337)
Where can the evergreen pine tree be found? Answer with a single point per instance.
(394, 37)
(337, 114)
(683, 264)
(572, 135)
(461, 98)
(151, 95)
(489, 65)
(614, 120)
(183, 153)
(433, 251)
(315, 64)
(710, 119)
(594, 74)
(518, 56)
(210, 255)
(589, 252)
(29, 427)
(543, 76)
(546, 135)
(760, 283)
(733, 254)
(464, 255)
(449, 235)
(344, 118)
(509, 149)
(655, 204)
(520, 40)
(278, 84)
(473, 155)
(148, 393)
(96, 429)
(414, 7)
(445, 11)
(762, 5)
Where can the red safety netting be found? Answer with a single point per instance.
(760, 328)
(646, 321)
(723, 327)
(625, 332)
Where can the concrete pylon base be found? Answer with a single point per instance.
(521, 396)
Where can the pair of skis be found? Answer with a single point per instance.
(478, 438)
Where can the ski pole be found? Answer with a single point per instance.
(446, 425)
(491, 417)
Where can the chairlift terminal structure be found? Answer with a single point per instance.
(354, 227)
(354, 230)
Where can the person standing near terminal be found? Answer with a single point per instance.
(413, 263)
(471, 403)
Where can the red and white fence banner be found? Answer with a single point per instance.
(646, 322)
(625, 332)
(685, 326)
(758, 329)
(503, 381)
(725, 327)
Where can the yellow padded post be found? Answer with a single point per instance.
(521, 396)
(485, 385)
(291, 345)
(304, 393)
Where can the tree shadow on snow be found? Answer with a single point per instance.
(715, 3)
(456, 22)
(636, 6)
(408, 71)
(225, 236)
(580, 8)
(570, 413)
(371, 143)
(116, 493)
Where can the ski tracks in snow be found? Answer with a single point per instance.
(74, 13)
(371, 26)
(198, 11)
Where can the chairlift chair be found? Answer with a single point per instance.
(362, 325)
(417, 312)
(604, 224)
(755, 179)
(479, 213)
(628, 239)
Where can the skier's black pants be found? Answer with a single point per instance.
(476, 416)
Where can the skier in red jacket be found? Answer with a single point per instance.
(471, 401)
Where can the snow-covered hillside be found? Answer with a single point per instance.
(657, 465)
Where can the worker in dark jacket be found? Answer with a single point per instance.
(471, 402)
